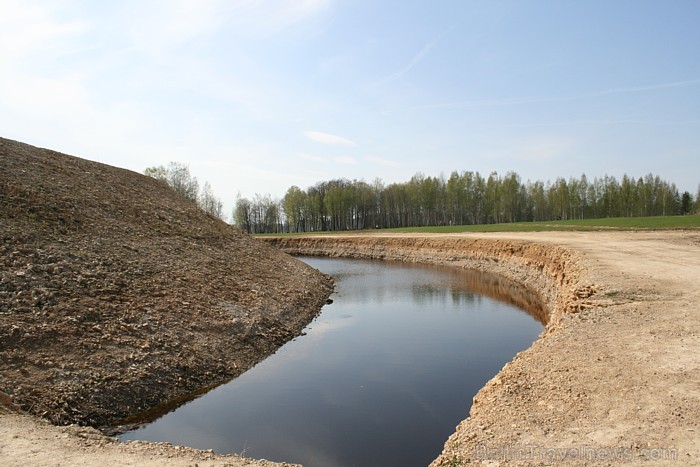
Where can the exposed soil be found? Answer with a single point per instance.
(618, 382)
(28, 441)
(117, 295)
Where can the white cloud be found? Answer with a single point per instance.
(172, 22)
(162, 26)
(268, 17)
(27, 28)
(328, 138)
(41, 97)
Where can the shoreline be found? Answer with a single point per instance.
(614, 377)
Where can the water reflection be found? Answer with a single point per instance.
(461, 286)
(381, 378)
(505, 290)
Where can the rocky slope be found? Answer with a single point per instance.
(117, 296)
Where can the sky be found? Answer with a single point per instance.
(259, 95)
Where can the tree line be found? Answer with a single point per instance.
(463, 198)
(179, 178)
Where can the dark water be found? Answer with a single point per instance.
(382, 377)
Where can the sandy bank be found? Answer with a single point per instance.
(549, 271)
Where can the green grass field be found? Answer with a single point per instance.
(613, 223)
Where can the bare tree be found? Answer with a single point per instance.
(210, 203)
(178, 176)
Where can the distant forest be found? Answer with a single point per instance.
(463, 198)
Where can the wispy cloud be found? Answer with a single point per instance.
(382, 162)
(170, 23)
(567, 123)
(415, 60)
(263, 18)
(30, 29)
(508, 101)
(650, 87)
(158, 28)
(328, 138)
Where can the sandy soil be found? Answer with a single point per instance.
(28, 441)
(616, 382)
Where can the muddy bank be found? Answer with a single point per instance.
(615, 377)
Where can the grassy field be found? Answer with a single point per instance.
(613, 223)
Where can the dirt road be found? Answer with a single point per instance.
(616, 382)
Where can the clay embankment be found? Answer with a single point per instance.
(615, 377)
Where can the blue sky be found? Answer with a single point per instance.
(259, 95)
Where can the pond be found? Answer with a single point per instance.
(381, 377)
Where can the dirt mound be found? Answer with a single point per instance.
(117, 296)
